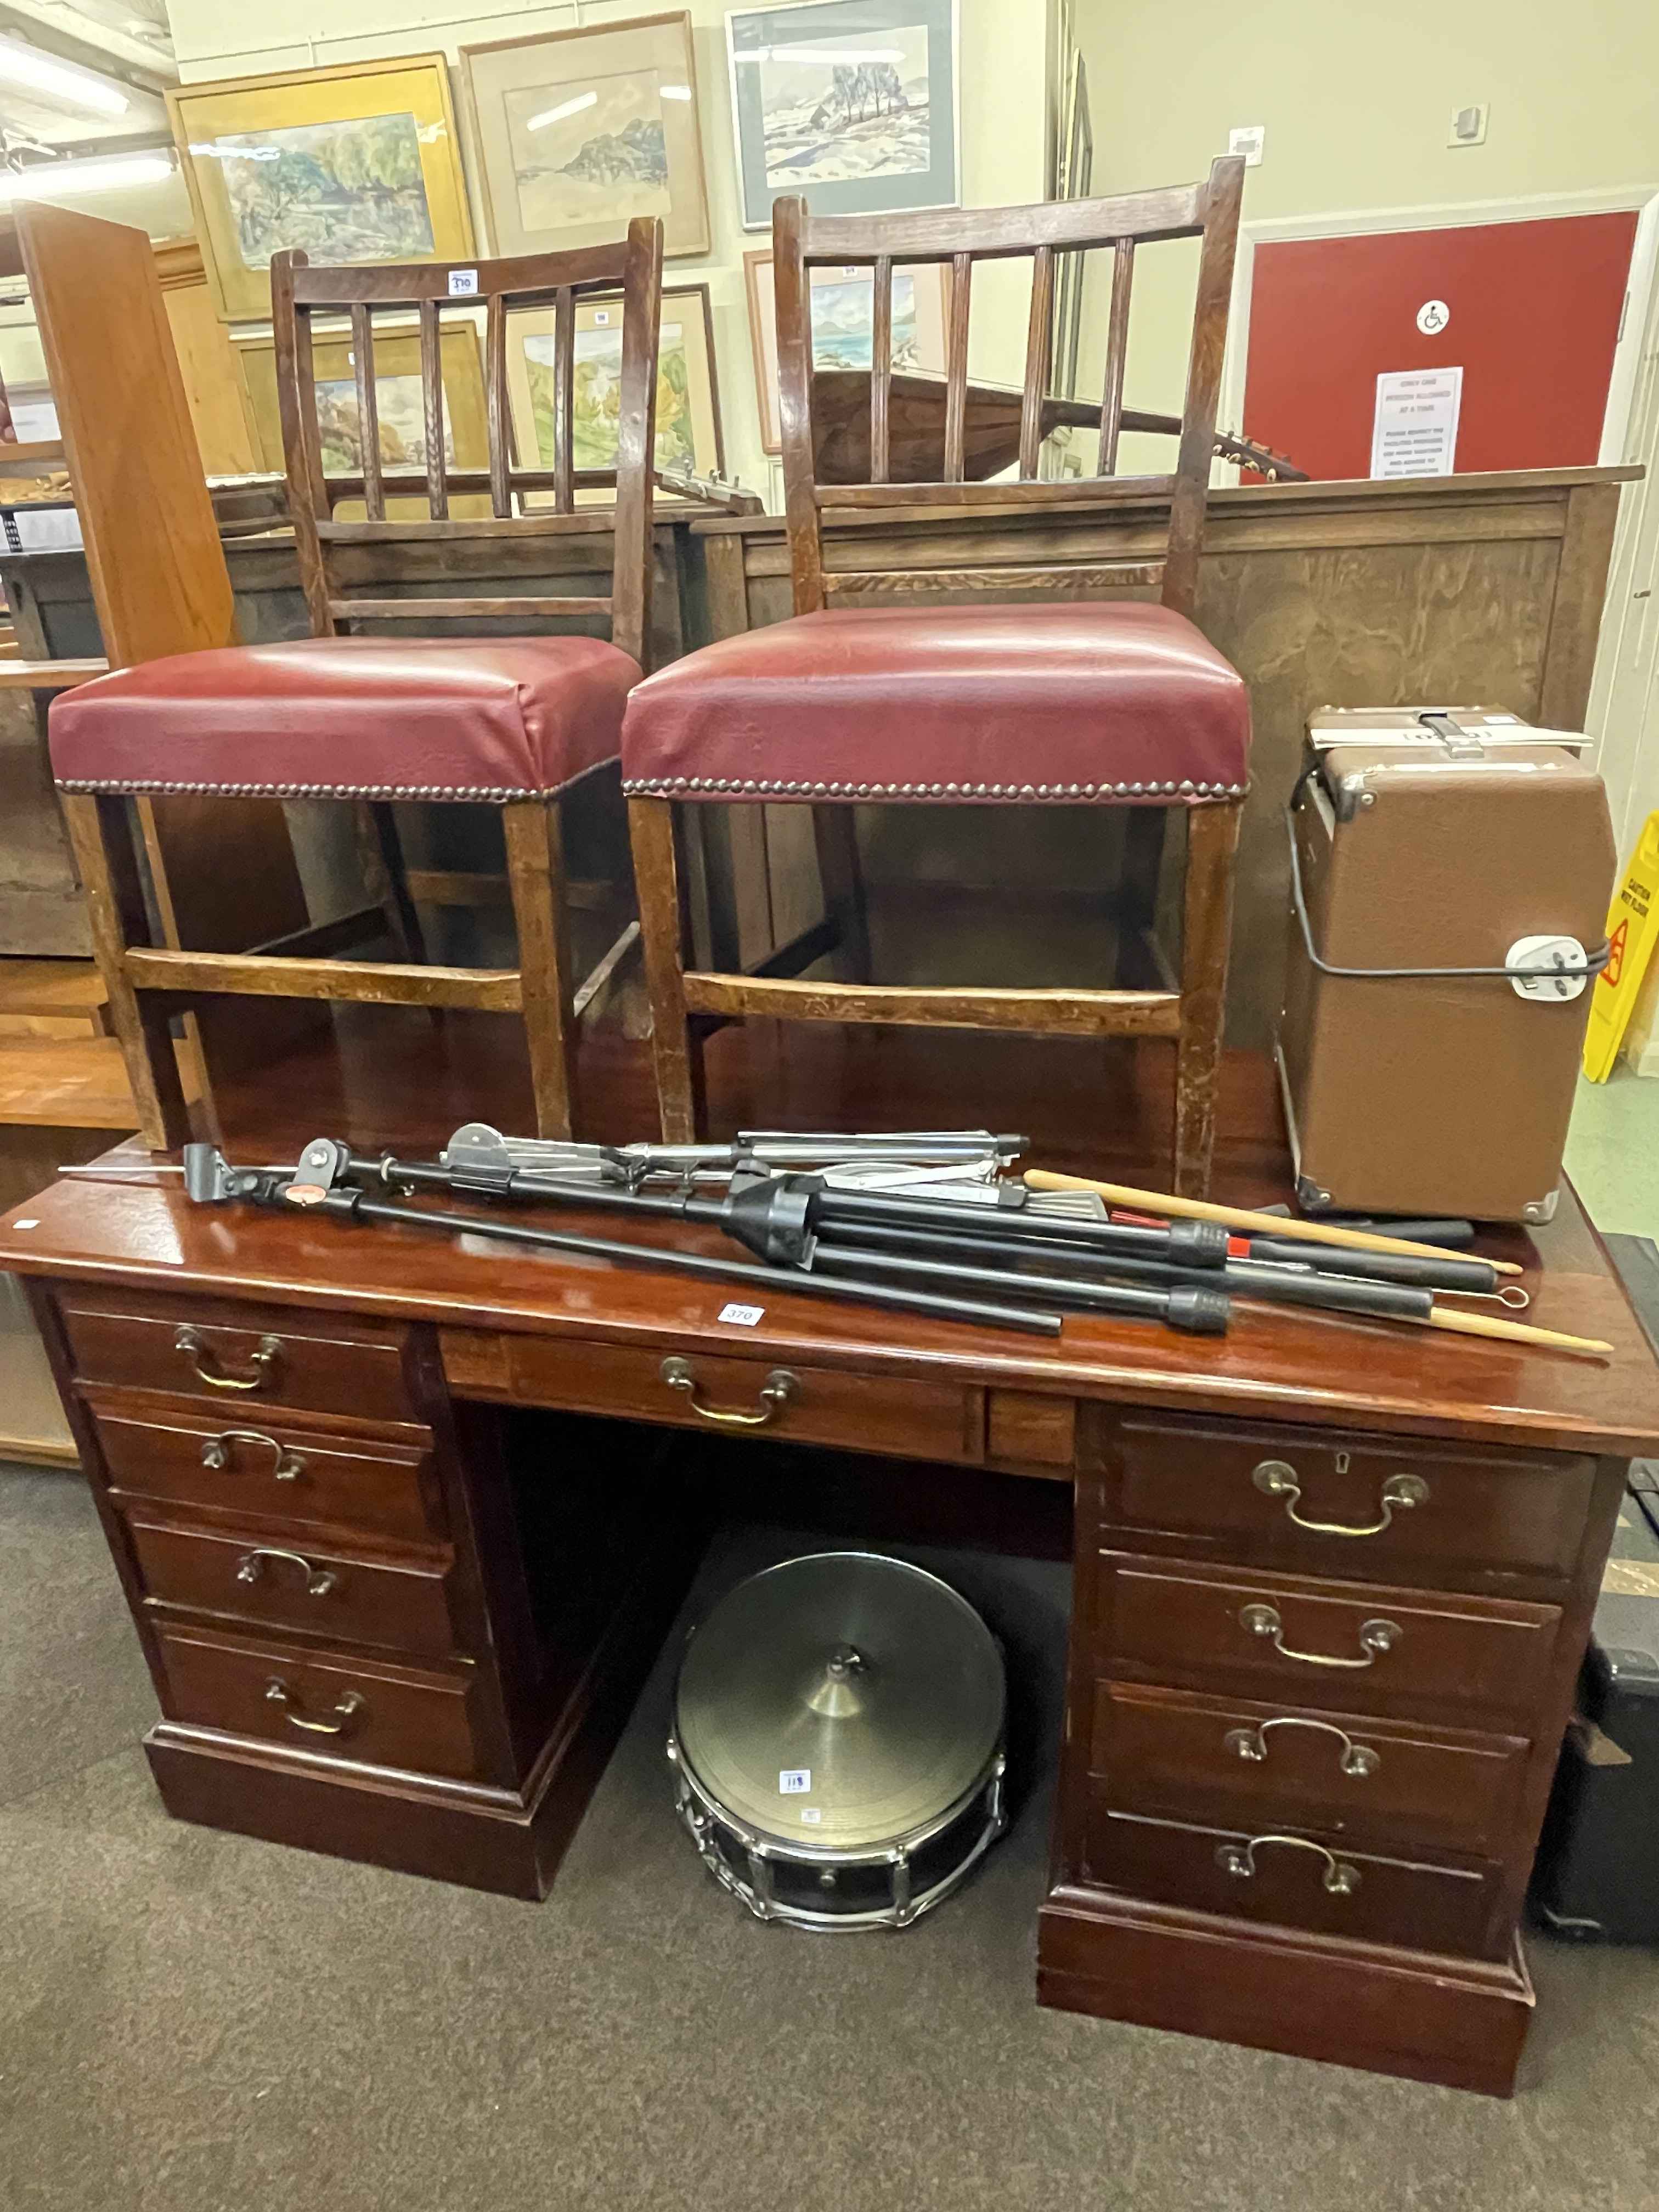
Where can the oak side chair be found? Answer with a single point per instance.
(1067, 699)
(514, 721)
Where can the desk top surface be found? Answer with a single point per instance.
(401, 1088)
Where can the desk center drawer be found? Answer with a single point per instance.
(737, 1396)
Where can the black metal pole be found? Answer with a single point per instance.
(1202, 1310)
(358, 1205)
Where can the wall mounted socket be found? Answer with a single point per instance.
(1468, 125)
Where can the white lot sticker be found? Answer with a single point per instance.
(463, 283)
(740, 1316)
(794, 1781)
(811, 1815)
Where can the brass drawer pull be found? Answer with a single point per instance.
(216, 1452)
(1358, 1760)
(319, 1581)
(1375, 1637)
(1338, 1877)
(779, 1388)
(205, 1362)
(1278, 1479)
(345, 1712)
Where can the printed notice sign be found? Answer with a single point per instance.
(1415, 430)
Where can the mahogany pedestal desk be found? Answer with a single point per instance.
(1311, 1724)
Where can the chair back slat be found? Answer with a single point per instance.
(956, 367)
(881, 368)
(961, 237)
(564, 401)
(445, 298)
(368, 411)
(1039, 346)
(498, 422)
(432, 408)
(1117, 350)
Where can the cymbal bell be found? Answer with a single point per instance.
(840, 1702)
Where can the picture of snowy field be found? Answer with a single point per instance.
(845, 108)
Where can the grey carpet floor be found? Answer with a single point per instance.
(191, 2021)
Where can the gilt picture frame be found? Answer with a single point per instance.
(356, 164)
(690, 440)
(852, 103)
(576, 132)
(843, 319)
(399, 404)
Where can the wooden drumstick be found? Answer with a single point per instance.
(1514, 1331)
(1241, 1217)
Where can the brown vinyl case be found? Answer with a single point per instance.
(1430, 1094)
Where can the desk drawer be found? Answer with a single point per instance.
(1322, 1644)
(245, 1357)
(1170, 1753)
(1255, 1874)
(821, 1406)
(362, 1710)
(288, 1582)
(247, 1464)
(1385, 1507)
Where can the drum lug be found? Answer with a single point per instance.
(902, 1907)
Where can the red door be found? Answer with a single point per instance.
(1529, 310)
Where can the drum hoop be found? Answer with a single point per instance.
(804, 1854)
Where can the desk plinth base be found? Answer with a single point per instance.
(1460, 2022)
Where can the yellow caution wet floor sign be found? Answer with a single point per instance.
(1632, 928)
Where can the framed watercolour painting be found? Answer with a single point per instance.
(578, 130)
(398, 403)
(688, 438)
(843, 326)
(355, 164)
(852, 103)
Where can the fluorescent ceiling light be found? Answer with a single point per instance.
(27, 66)
(811, 54)
(51, 180)
(565, 107)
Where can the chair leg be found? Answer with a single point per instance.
(1143, 860)
(535, 875)
(835, 832)
(675, 1048)
(101, 832)
(1206, 936)
(386, 857)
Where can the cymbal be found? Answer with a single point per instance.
(840, 1702)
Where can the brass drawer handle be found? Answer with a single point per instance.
(1278, 1479)
(1338, 1877)
(345, 1712)
(1375, 1637)
(1358, 1760)
(289, 1466)
(319, 1581)
(205, 1362)
(779, 1388)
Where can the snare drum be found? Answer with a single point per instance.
(838, 1741)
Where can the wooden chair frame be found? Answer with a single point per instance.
(147, 983)
(1187, 1007)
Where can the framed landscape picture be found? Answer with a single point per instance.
(843, 326)
(356, 164)
(578, 130)
(852, 103)
(689, 437)
(398, 401)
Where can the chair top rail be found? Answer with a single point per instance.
(528, 280)
(992, 234)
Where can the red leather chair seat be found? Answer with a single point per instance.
(496, 718)
(1113, 700)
